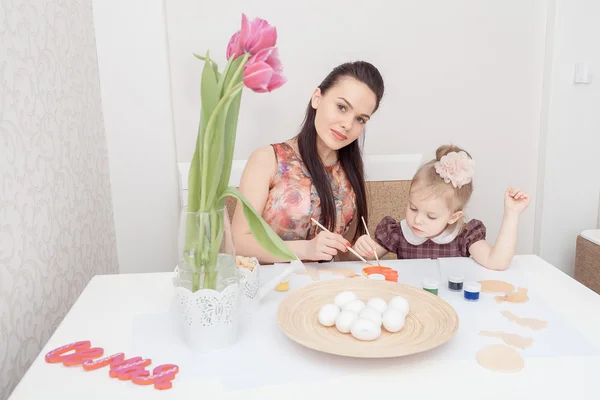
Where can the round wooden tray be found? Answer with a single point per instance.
(430, 322)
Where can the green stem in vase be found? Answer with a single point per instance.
(208, 179)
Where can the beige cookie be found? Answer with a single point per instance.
(520, 296)
(493, 286)
(511, 339)
(531, 323)
(500, 358)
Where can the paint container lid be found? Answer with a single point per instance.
(377, 277)
(430, 284)
(472, 287)
(456, 278)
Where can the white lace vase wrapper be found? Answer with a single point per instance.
(209, 318)
(250, 293)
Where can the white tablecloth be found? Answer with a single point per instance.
(131, 314)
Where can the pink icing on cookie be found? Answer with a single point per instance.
(113, 360)
(128, 367)
(81, 353)
(57, 355)
(161, 377)
(82, 356)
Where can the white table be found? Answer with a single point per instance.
(105, 312)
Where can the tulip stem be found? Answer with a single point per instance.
(208, 136)
(212, 191)
(238, 72)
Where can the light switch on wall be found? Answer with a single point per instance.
(582, 73)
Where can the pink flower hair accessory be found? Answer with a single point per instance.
(455, 168)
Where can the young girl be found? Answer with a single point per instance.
(434, 226)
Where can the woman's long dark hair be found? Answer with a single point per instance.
(350, 156)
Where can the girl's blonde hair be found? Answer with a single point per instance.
(429, 177)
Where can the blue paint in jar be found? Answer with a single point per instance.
(472, 290)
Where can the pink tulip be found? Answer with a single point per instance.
(252, 38)
(263, 71)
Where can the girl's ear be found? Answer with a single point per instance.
(455, 217)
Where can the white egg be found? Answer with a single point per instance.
(342, 298)
(354, 305)
(376, 277)
(327, 314)
(365, 329)
(393, 320)
(400, 303)
(377, 303)
(344, 321)
(371, 314)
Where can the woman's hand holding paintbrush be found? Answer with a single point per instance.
(347, 245)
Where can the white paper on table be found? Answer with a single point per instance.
(557, 340)
(262, 356)
(265, 356)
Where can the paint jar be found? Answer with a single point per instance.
(472, 290)
(455, 283)
(431, 285)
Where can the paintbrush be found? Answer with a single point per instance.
(348, 247)
(368, 234)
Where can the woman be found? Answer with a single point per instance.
(317, 174)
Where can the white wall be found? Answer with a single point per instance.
(570, 179)
(477, 73)
(134, 78)
(468, 71)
